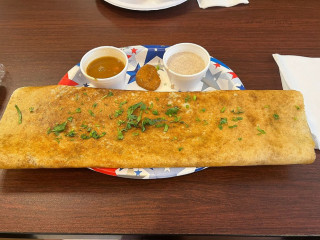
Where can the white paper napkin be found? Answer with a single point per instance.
(301, 74)
(220, 3)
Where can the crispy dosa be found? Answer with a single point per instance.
(72, 127)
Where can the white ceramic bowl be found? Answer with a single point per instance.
(186, 82)
(116, 82)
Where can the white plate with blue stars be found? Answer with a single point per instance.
(218, 77)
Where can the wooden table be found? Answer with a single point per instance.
(41, 40)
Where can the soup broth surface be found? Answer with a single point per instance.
(105, 67)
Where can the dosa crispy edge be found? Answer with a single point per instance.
(72, 127)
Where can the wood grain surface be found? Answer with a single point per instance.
(41, 40)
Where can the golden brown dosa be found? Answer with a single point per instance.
(219, 128)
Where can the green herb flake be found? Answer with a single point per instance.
(120, 122)
(58, 139)
(238, 111)
(31, 109)
(297, 107)
(172, 111)
(236, 119)
(135, 134)
(120, 134)
(203, 110)
(155, 112)
(180, 149)
(233, 126)
(223, 110)
(110, 94)
(157, 99)
(261, 131)
(78, 110)
(187, 106)
(222, 122)
(72, 133)
(70, 119)
(267, 106)
(198, 119)
(240, 139)
(205, 122)
(94, 105)
(187, 99)
(194, 97)
(84, 136)
(84, 126)
(19, 114)
(58, 128)
(276, 116)
(86, 94)
(166, 127)
(91, 113)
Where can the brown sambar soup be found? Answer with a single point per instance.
(105, 67)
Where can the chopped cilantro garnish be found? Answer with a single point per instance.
(31, 109)
(135, 133)
(203, 110)
(58, 128)
(166, 127)
(222, 122)
(78, 110)
(155, 112)
(85, 94)
(297, 107)
(198, 119)
(236, 119)
(180, 149)
(120, 122)
(172, 111)
(187, 99)
(91, 113)
(148, 121)
(276, 116)
(223, 110)
(94, 105)
(58, 139)
(118, 112)
(84, 126)
(70, 119)
(261, 131)
(233, 126)
(72, 133)
(238, 111)
(84, 136)
(120, 134)
(95, 135)
(205, 122)
(19, 114)
(240, 139)
(157, 99)
(108, 95)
